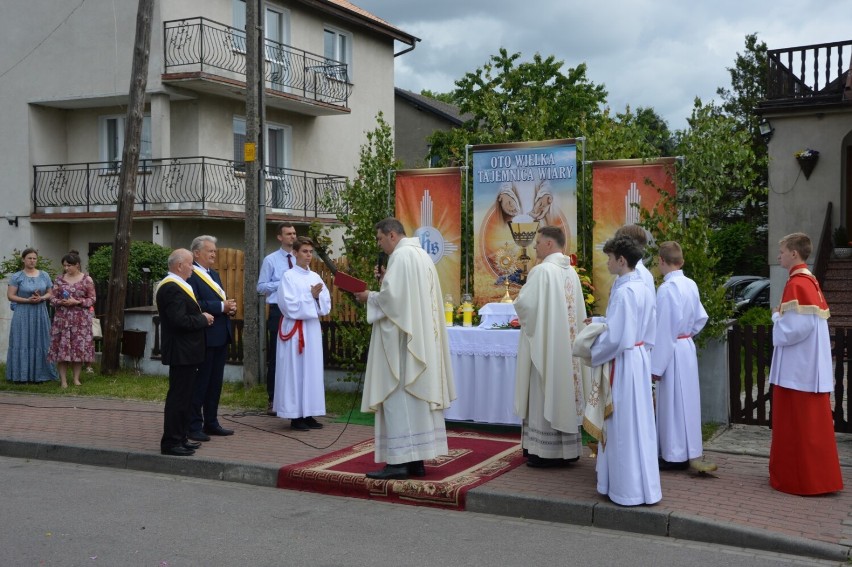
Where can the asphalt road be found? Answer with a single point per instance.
(66, 514)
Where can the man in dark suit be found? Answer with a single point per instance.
(207, 285)
(182, 325)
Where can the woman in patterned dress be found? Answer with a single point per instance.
(29, 336)
(71, 334)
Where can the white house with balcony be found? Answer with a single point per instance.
(64, 82)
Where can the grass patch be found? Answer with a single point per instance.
(127, 385)
(708, 430)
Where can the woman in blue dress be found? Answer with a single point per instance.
(29, 336)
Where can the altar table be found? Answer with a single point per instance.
(484, 363)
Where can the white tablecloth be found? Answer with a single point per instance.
(484, 369)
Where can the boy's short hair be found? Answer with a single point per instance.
(799, 242)
(302, 241)
(671, 253)
(625, 247)
(635, 232)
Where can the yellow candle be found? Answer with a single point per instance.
(467, 315)
(448, 314)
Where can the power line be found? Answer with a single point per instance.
(48, 36)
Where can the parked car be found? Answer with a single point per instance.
(756, 294)
(736, 284)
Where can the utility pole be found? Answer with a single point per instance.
(127, 189)
(253, 335)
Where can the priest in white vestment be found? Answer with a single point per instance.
(548, 382)
(627, 467)
(674, 363)
(409, 378)
(299, 369)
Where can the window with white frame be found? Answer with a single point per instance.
(337, 50)
(111, 139)
(278, 144)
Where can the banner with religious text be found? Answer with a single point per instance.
(620, 188)
(428, 203)
(518, 188)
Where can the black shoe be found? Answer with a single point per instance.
(191, 445)
(299, 424)
(269, 410)
(311, 422)
(673, 466)
(390, 472)
(177, 451)
(198, 436)
(542, 463)
(416, 468)
(219, 431)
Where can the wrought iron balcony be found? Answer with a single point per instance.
(810, 74)
(191, 183)
(204, 48)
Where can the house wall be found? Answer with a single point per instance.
(413, 126)
(797, 204)
(66, 65)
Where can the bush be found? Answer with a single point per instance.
(142, 255)
(14, 264)
(756, 317)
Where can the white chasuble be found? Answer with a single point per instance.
(409, 378)
(548, 379)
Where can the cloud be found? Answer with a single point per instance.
(659, 54)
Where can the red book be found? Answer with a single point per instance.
(349, 283)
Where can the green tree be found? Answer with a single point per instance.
(748, 89)
(366, 200)
(443, 97)
(717, 158)
(142, 255)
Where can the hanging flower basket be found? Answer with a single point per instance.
(807, 159)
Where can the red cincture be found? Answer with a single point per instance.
(297, 327)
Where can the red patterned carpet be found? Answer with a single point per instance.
(475, 458)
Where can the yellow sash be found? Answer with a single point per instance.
(205, 277)
(183, 285)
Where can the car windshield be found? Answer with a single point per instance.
(753, 289)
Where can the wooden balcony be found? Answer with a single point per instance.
(189, 186)
(206, 56)
(809, 75)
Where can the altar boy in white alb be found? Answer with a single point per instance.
(627, 466)
(299, 372)
(674, 363)
(548, 378)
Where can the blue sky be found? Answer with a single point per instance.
(658, 53)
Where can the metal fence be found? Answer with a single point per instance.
(180, 183)
(199, 45)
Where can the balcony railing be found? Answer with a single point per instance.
(199, 45)
(180, 183)
(813, 73)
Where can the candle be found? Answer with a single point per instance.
(448, 309)
(467, 310)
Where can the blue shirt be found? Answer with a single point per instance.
(272, 272)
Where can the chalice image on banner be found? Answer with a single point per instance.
(507, 265)
(523, 230)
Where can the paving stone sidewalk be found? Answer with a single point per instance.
(733, 506)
